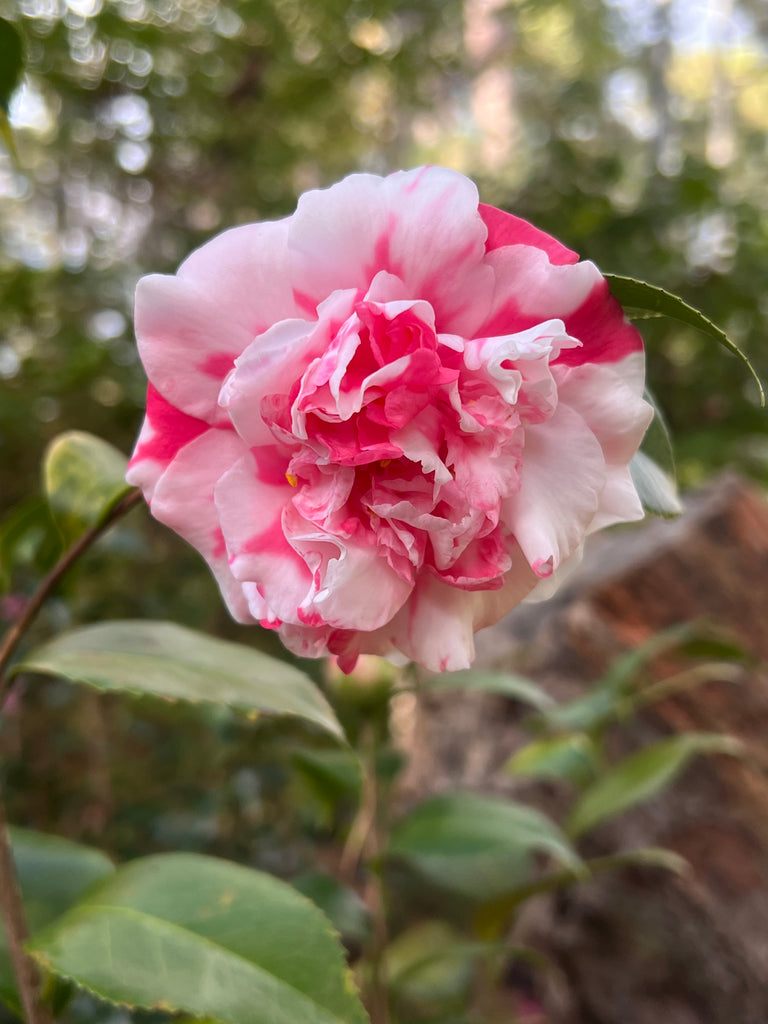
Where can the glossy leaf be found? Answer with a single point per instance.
(659, 302)
(53, 874)
(182, 932)
(641, 776)
(477, 846)
(506, 684)
(84, 477)
(162, 659)
(571, 756)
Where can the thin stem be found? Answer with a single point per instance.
(11, 905)
(14, 921)
(364, 846)
(54, 577)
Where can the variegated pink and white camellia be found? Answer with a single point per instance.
(385, 419)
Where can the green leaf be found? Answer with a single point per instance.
(641, 776)
(504, 683)
(53, 874)
(84, 478)
(183, 932)
(162, 659)
(653, 467)
(477, 846)
(658, 302)
(604, 702)
(657, 491)
(11, 62)
(492, 920)
(341, 905)
(571, 756)
(431, 966)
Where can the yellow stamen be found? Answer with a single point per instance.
(292, 480)
(384, 463)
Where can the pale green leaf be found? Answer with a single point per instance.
(506, 684)
(162, 659)
(84, 478)
(641, 776)
(477, 846)
(187, 933)
(570, 756)
(655, 488)
(657, 301)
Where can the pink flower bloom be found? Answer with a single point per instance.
(385, 419)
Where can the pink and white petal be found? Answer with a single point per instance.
(187, 343)
(435, 628)
(421, 226)
(492, 605)
(562, 476)
(245, 272)
(183, 500)
(619, 500)
(608, 396)
(507, 229)
(354, 587)
(605, 334)
(269, 365)
(251, 512)
(164, 432)
(529, 290)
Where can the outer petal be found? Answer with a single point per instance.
(183, 500)
(506, 229)
(164, 433)
(422, 226)
(246, 272)
(186, 343)
(530, 289)
(561, 480)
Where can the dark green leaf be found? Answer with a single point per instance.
(477, 846)
(53, 874)
(504, 683)
(162, 659)
(341, 905)
(182, 932)
(657, 301)
(641, 776)
(11, 62)
(84, 478)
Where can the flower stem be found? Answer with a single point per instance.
(15, 924)
(364, 846)
(52, 580)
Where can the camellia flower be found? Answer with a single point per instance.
(385, 419)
